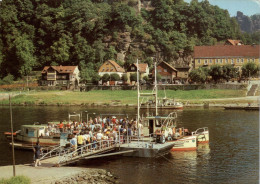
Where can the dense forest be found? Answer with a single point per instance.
(35, 33)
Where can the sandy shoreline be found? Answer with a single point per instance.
(44, 175)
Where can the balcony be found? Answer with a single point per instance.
(51, 76)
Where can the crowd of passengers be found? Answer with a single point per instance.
(94, 130)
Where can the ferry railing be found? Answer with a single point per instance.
(201, 130)
(54, 152)
(82, 151)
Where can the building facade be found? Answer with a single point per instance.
(167, 72)
(143, 68)
(236, 55)
(67, 76)
(110, 67)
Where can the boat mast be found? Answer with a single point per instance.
(138, 99)
(155, 86)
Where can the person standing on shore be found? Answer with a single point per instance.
(37, 152)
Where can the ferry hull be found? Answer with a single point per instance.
(188, 143)
(50, 141)
(203, 137)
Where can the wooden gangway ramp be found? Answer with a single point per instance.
(59, 156)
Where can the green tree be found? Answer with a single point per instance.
(198, 75)
(114, 77)
(216, 72)
(24, 51)
(60, 50)
(106, 77)
(229, 72)
(95, 78)
(133, 77)
(124, 77)
(250, 69)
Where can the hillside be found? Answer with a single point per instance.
(248, 24)
(36, 33)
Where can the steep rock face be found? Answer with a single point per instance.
(248, 24)
(182, 61)
(124, 45)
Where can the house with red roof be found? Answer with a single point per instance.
(237, 55)
(167, 72)
(143, 70)
(233, 42)
(67, 76)
(110, 67)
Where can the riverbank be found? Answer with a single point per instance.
(60, 175)
(126, 97)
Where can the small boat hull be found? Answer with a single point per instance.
(202, 135)
(162, 107)
(187, 143)
(45, 141)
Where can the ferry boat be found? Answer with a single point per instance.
(164, 128)
(31, 134)
(164, 103)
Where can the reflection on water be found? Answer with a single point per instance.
(232, 156)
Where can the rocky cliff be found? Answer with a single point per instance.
(248, 24)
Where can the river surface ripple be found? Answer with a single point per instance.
(232, 156)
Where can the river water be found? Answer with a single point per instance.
(232, 156)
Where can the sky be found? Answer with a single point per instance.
(248, 7)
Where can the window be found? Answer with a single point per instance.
(232, 61)
(253, 60)
(132, 68)
(238, 60)
(165, 70)
(159, 70)
(242, 60)
(210, 61)
(198, 61)
(221, 61)
(206, 61)
(226, 60)
(216, 61)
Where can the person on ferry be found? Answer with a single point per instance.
(73, 143)
(61, 126)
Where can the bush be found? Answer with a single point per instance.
(115, 77)
(95, 78)
(124, 77)
(8, 79)
(133, 77)
(105, 77)
(16, 180)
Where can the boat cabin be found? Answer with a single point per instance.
(33, 130)
(153, 125)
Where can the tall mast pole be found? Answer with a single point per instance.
(12, 133)
(138, 94)
(155, 85)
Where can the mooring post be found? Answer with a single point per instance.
(12, 133)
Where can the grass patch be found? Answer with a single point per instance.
(16, 180)
(109, 97)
